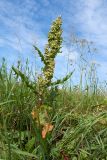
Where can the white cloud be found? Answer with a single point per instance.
(2, 42)
(69, 53)
(22, 30)
(92, 17)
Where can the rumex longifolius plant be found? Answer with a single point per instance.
(44, 80)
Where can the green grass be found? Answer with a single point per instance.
(79, 119)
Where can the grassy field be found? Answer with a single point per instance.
(79, 120)
(70, 124)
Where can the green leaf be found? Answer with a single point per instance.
(40, 54)
(23, 153)
(61, 81)
(24, 78)
(7, 102)
(30, 144)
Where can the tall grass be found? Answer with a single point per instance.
(79, 119)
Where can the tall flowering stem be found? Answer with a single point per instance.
(51, 50)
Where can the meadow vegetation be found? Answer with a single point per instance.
(41, 121)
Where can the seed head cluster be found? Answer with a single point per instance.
(51, 50)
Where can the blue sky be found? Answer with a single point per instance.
(27, 22)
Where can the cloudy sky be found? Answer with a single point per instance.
(27, 22)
